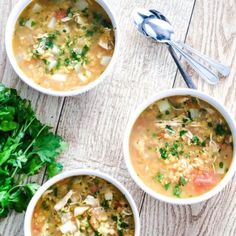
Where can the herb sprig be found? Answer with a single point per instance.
(26, 146)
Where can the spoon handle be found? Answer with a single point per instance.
(222, 69)
(183, 72)
(208, 75)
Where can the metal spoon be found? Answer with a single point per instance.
(187, 78)
(153, 24)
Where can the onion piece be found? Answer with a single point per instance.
(37, 8)
(82, 77)
(55, 49)
(81, 4)
(65, 19)
(77, 67)
(164, 105)
(29, 24)
(220, 170)
(63, 201)
(105, 60)
(68, 227)
(80, 20)
(194, 113)
(108, 196)
(59, 77)
(78, 211)
(52, 23)
(91, 201)
(52, 64)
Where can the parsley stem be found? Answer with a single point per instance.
(13, 174)
(40, 131)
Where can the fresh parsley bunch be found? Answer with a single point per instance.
(26, 145)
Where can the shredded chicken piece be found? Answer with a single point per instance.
(63, 201)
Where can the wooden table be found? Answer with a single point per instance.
(94, 122)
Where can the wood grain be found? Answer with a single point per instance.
(94, 123)
(212, 32)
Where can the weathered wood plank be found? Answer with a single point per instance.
(212, 32)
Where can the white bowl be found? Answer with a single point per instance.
(78, 172)
(174, 92)
(10, 28)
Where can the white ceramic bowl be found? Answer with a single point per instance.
(10, 28)
(78, 172)
(169, 93)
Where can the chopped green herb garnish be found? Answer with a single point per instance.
(182, 132)
(210, 124)
(105, 204)
(182, 180)
(167, 186)
(154, 135)
(189, 115)
(220, 130)
(124, 225)
(203, 144)
(221, 164)
(80, 56)
(22, 21)
(85, 12)
(67, 62)
(100, 20)
(114, 217)
(69, 12)
(47, 42)
(91, 31)
(163, 152)
(159, 177)
(33, 23)
(195, 140)
(58, 64)
(174, 149)
(167, 112)
(169, 129)
(177, 190)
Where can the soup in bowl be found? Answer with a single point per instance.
(82, 202)
(179, 146)
(61, 47)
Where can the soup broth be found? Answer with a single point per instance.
(83, 206)
(63, 44)
(181, 147)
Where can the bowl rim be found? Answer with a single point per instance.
(79, 172)
(168, 93)
(10, 28)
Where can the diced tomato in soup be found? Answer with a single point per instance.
(205, 180)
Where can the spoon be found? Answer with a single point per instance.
(153, 24)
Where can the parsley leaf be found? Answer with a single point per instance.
(159, 177)
(182, 132)
(164, 154)
(177, 190)
(26, 146)
(220, 130)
